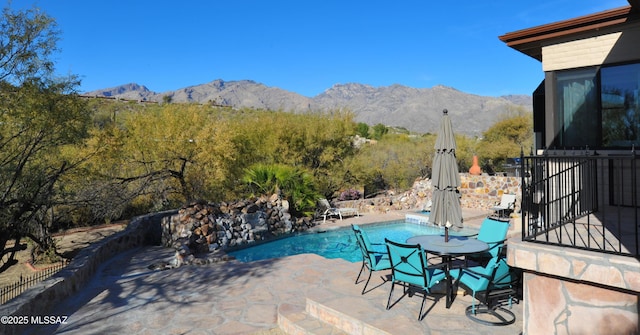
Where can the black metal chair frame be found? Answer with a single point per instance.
(409, 288)
(492, 301)
(366, 258)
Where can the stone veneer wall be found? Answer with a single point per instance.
(573, 291)
(40, 299)
(478, 192)
(483, 192)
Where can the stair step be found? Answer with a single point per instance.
(294, 320)
(319, 319)
(347, 323)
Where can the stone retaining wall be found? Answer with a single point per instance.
(41, 299)
(199, 229)
(478, 192)
(483, 192)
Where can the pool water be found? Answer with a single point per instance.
(339, 243)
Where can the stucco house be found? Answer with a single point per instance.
(580, 243)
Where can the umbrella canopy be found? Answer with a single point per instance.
(445, 179)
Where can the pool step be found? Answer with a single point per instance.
(316, 318)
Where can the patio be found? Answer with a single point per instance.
(252, 298)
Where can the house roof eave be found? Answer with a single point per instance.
(529, 41)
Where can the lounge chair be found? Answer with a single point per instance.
(328, 211)
(427, 207)
(409, 268)
(374, 256)
(490, 284)
(335, 211)
(505, 207)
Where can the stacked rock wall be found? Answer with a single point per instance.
(483, 192)
(199, 228)
(478, 192)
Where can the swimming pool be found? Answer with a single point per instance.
(339, 243)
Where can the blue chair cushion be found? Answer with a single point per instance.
(380, 262)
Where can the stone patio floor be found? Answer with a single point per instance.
(126, 297)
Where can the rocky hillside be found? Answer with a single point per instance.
(416, 109)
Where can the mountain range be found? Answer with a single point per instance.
(415, 109)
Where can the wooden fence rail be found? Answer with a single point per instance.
(13, 290)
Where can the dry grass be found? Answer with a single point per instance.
(69, 244)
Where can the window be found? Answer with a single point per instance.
(620, 110)
(577, 102)
(598, 107)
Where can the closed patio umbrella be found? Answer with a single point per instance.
(445, 179)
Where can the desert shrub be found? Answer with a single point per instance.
(350, 194)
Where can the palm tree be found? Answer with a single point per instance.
(290, 183)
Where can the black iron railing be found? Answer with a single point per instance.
(13, 290)
(582, 201)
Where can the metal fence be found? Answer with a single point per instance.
(582, 201)
(11, 291)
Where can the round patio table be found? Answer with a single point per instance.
(456, 246)
(464, 232)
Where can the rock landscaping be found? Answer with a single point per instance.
(200, 230)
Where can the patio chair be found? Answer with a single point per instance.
(410, 268)
(335, 211)
(505, 207)
(427, 207)
(328, 211)
(372, 259)
(494, 233)
(490, 284)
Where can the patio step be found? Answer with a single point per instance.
(316, 318)
(294, 320)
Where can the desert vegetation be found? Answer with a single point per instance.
(68, 161)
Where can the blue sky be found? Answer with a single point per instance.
(304, 46)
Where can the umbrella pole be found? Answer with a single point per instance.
(446, 234)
